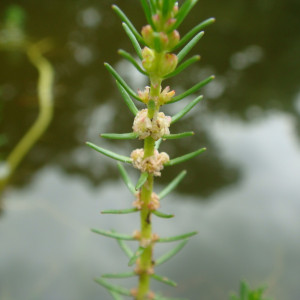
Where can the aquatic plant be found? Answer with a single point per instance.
(247, 294)
(161, 52)
(13, 38)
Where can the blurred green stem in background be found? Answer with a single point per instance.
(12, 38)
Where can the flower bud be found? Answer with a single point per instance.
(148, 61)
(164, 40)
(175, 10)
(174, 39)
(168, 64)
(156, 20)
(147, 33)
(144, 96)
(151, 164)
(166, 96)
(142, 124)
(156, 127)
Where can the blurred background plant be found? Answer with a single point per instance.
(13, 39)
(248, 189)
(247, 294)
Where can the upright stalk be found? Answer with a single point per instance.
(144, 264)
(160, 38)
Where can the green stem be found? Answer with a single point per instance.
(45, 97)
(145, 262)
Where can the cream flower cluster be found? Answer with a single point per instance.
(152, 164)
(156, 128)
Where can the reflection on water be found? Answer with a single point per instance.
(248, 225)
(246, 231)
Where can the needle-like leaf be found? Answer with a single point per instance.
(126, 179)
(136, 255)
(178, 135)
(142, 180)
(115, 295)
(183, 66)
(193, 31)
(181, 55)
(124, 247)
(184, 158)
(193, 89)
(153, 6)
(159, 297)
(162, 215)
(127, 99)
(172, 185)
(114, 288)
(110, 153)
(133, 40)
(183, 12)
(164, 279)
(124, 18)
(157, 143)
(171, 253)
(120, 211)
(131, 59)
(121, 81)
(114, 234)
(147, 11)
(186, 109)
(120, 136)
(176, 238)
(119, 275)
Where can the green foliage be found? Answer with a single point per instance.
(247, 294)
(153, 47)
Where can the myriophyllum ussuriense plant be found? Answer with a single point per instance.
(161, 52)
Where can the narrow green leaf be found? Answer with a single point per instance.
(131, 59)
(193, 89)
(153, 7)
(172, 185)
(164, 279)
(157, 42)
(159, 297)
(181, 55)
(147, 11)
(120, 211)
(183, 66)
(126, 179)
(110, 153)
(115, 295)
(119, 275)
(157, 143)
(124, 247)
(182, 13)
(184, 158)
(124, 18)
(133, 40)
(162, 215)
(186, 109)
(136, 255)
(127, 99)
(120, 136)
(178, 135)
(193, 31)
(121, 81)
(113, 234)
(165, 7)
(143, 178)
(176, 238)
(170, 254)
(114, 288)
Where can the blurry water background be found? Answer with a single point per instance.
(242, 195)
